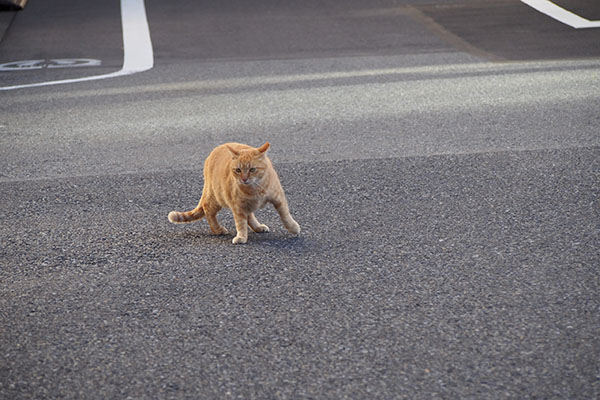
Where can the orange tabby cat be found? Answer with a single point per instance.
(242, 179)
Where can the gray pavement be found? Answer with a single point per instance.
(447, 276)
(448, 201)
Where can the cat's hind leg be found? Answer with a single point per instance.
(284, 213)
(211, 217)
(255, 225)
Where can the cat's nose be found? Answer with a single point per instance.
(245, 180)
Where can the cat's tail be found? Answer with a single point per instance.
(177, 217)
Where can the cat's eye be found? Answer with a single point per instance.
(252, 169)
(238, 171)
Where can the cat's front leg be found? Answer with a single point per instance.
(241, 224)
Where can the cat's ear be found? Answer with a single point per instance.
(234, 152)
(264, 147)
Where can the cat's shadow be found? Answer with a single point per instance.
(270, 240)
(279, 241)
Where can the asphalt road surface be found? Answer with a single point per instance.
(441, 157)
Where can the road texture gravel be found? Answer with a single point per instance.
(442, 158)
(447, 276)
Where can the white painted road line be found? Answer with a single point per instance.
(560, 14)
(137, 47)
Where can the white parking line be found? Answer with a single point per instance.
(562, 15)
(137, 47)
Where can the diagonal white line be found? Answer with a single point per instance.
(137, 47)
(562, 15)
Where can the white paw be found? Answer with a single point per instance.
(293, 227)
(239, 240)
(261, 229)
(221, 231)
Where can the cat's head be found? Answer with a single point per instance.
(249, 165)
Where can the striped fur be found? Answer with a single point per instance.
(241, 178)
(177, 217)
